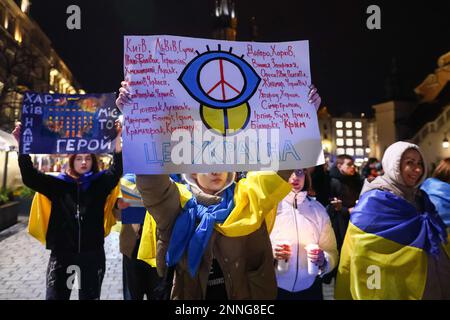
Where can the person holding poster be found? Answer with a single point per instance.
(212, 232)
(234, 106)
(73, 214)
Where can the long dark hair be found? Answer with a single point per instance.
(442, 172)
(71, 170)
(307, 182)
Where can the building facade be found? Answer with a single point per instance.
(350, 137)
(345, 135)
(434, 131)
(391, 120)
(425, 121)
(225, 20)
(433, 139)
(27, 61)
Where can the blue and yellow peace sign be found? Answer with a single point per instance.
(222, 83)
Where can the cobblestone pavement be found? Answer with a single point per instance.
(23, 264)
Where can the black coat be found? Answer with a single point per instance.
(345, 188)
(321, 185)
(67, 231)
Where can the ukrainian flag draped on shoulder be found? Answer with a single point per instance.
(386, 248)
(245, 207)
(41, 208)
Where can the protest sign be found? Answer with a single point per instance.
(203, 105)
(61, 123)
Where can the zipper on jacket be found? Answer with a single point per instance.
(298, 245)
(78, 216)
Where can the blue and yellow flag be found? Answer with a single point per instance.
(386, 249)
(41, 209)
(255, 202)
(439, 193)
(135, 213)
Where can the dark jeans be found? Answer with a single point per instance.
(139, 278)
(82, 271)
(312, 293)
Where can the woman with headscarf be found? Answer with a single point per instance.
(396, 244)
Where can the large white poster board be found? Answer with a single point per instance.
(203, 105)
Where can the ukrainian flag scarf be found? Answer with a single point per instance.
(41, 208)
(193, 238)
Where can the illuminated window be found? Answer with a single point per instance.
(339, 142)
(349, 125)
(358, 133)
(349, 133)
(349, 142)
(340, 151)
(340, 133)
(358, 125)
(350, 151)
(359, 152)
(359, 142)
(339, 124)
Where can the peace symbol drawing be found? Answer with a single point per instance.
(222, 83)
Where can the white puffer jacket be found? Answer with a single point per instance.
(308, 224)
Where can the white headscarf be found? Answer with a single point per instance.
(392, 179)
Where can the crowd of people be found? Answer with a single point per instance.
(258, 235)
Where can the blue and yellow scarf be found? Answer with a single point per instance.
(193, 238)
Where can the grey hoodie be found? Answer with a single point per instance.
(392, 179)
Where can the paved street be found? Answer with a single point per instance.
(23, 263)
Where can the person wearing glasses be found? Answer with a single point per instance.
(304, 243)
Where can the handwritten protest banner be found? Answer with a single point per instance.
(203, 105)
(60, 123)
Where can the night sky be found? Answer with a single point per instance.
(349, 63)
